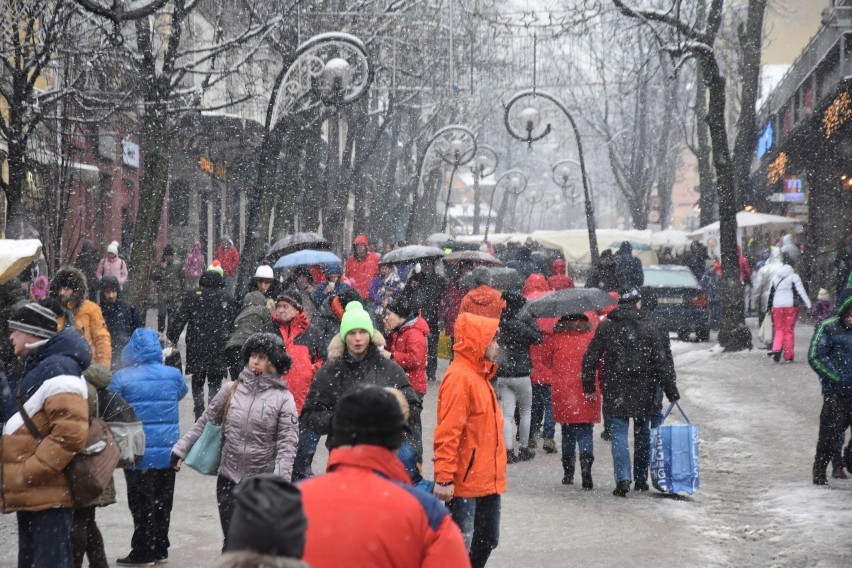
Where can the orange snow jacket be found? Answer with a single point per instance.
(483, 301)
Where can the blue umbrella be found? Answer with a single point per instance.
(307, 257)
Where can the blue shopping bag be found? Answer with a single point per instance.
(674, 456)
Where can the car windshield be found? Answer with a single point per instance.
(670, 279)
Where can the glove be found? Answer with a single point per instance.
(673, 398)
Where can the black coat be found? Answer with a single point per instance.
(516, 337)
(427, 296)
(340, 373)
(122, 319)
(605, 276)
(634, 363)
(630, 269)
(208, 314)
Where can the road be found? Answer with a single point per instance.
(756, 506)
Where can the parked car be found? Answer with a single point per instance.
(682, 305)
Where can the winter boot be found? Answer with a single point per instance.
(525, 454)
(568, 471)
(586, 461)
(640, 486)
(847, 458)
(839, 473)
(548, 445)
(622, 488)
(511, 457)
(819, 475)
(533, 441)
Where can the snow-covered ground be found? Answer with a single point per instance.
(756, 506)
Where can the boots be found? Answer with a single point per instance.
(511, 457)
(533, 441)
(819, 475)
(548, 445)
(525, 454)
(586, 461)
(622, 488)
(568, 471)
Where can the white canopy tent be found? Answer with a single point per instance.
(749, 223)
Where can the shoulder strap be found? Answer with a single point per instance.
(222, 412)
(27, 420)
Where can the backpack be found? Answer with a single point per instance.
(124, 425)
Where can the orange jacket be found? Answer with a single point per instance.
(469, 446)
(89, 320)
(365, 512)
(483, 301)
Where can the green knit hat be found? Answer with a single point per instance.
(355, 317)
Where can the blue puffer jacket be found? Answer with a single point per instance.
(830, 354)
(154, 391)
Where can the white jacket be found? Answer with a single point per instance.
(783, 281)
(762, 279)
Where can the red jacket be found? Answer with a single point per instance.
(560, 280)
(538, 353)
(564, 352)
(302, 370)
(229, 258)
(360, 272)
(408, 348)
(536, 286)
(450, 305)
(365, 512)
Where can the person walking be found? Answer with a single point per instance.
(627, 348)
(423, 290)
(46, 425)
(483, 300)
(121, 317)
(470, 454)
(154, 391)
(830, 356)
(251, 319)
(70, 288)
(365, 476)
(362, 265)
(786, 288)
(629, 267)
(572, 409)
(517, 335)
(208, 314)
(259, 420)
(762, 283)
(559, 279)
(170, 287)
(112, 265)
(605, 274)
(193, 266)
(229, 259)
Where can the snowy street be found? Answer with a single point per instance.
(756, 507)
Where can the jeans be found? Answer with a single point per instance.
(86, 539)
(579, 436)
(225, 501)
(44, 538)
(479, 521)
(621, 451)
(308, 441)
(511, 391)
(150, 494)
(213, 376)
(784, 320)
(415, 437)
(542, 409)
(836, 413)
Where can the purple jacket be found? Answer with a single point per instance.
(261, 428)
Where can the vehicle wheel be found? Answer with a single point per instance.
(703, 334)
(683, 335)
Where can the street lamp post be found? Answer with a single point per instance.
(561, 172)
(512, 182)
(529, 119)
(325, 73)
(484, 164)
(533, 199)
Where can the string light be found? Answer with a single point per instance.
(837, 114)
(777, 168)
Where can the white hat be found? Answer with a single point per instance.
(823, 295)
(264, 272)
(113, 248)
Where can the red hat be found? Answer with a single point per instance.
(361, 240)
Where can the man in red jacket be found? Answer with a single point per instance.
(229, 259)
(362, 265)
(364, 510)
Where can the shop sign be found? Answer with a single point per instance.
(837, 114)
(764, 143)
(217, 169)
(776, 170)
(130, 153)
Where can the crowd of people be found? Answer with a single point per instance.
(348, 352)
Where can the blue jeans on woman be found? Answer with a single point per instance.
(308, 442)
(621, 450)
(479, 521)
(44, 538)
(542, 409)
(577, 435)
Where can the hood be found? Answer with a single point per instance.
(98, 376)
(417, 323)
(784, 271)
(473, 334)
(558, 267)
(337, 347)
(211, 279)
(72, 278)
(484, 295)
(254, 300)
(624, 312)
(537, 283)
(514, 302)
(361, 240)
(367, 456)
(774, 255)
(626, 248)
(110, 282)
(142, 349)
(844, 301)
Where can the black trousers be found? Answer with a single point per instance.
(225, 500)
(86, 539)
(213, 376)
(166, 307)
(432, 354)
(836, 413)
(150, 494)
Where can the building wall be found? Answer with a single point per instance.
(789, 25)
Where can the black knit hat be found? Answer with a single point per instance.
(367, 414)
(37, 318)
(402, 307)
(349, 295)
(268, 517)
(272, 346)
(629, 295)
(292, 297)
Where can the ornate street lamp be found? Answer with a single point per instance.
(533, 199)
(326, 72)
(529, 119)
(484, 164)
(512, 182)
(561, 172)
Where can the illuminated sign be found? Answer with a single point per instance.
(217, 169)
(837, 114)
(777, 168)
(764, 143)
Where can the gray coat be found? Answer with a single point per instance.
(251, 319)
(261, 428)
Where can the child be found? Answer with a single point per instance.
(822, 308)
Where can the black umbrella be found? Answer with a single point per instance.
(569, 301)
(411, 254)
(502, 278)
(297, 242)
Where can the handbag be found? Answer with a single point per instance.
(674, 456)
(205, 453)
(766, 332)
(90, 471)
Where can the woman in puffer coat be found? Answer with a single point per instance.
(261, 427)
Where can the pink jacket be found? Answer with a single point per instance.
(116, 268)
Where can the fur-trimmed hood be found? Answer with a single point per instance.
(72, 278)
(337, 346)
(251, 559)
